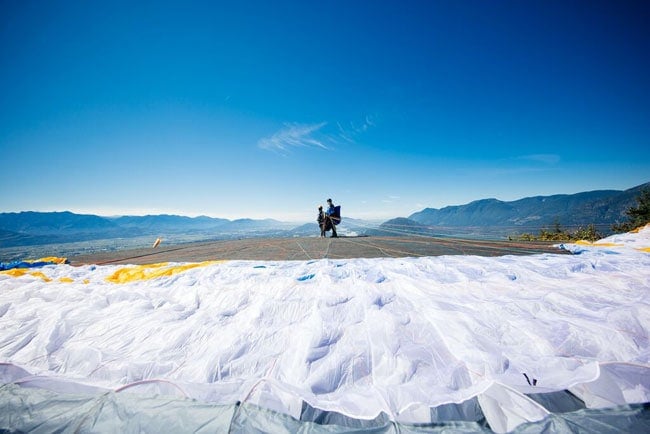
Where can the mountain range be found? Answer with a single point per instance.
(601, 208)
(32, 228)
(481, 218)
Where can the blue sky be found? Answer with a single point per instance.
(266, 109)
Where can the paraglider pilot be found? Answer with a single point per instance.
(332, 217)
(321, 221)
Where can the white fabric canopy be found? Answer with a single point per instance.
(358, 337)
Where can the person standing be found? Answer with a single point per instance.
(321, 221)
(333, 217)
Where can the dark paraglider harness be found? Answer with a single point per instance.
(333, 219)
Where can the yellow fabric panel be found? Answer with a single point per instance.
(152, 271)
(645, 249)
(588, 243)
(40, 275)
(128, 274)
(637, 230)
(52, 259)
(15, 272)
(66, 280)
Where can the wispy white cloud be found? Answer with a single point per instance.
(349, 131)
(344, 134)
(294, 136)
(369, 122)
(320, 135)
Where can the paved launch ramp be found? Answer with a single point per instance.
(289, 249)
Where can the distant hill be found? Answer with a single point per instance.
(10, 238)
(33, 228)
(36, 228)
(168, 223)
(401, 226)
(602, 208)
(252, 225)
(42, 223)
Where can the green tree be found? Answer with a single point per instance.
(638, 216)
(590, 233)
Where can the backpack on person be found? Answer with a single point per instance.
(336, 215)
